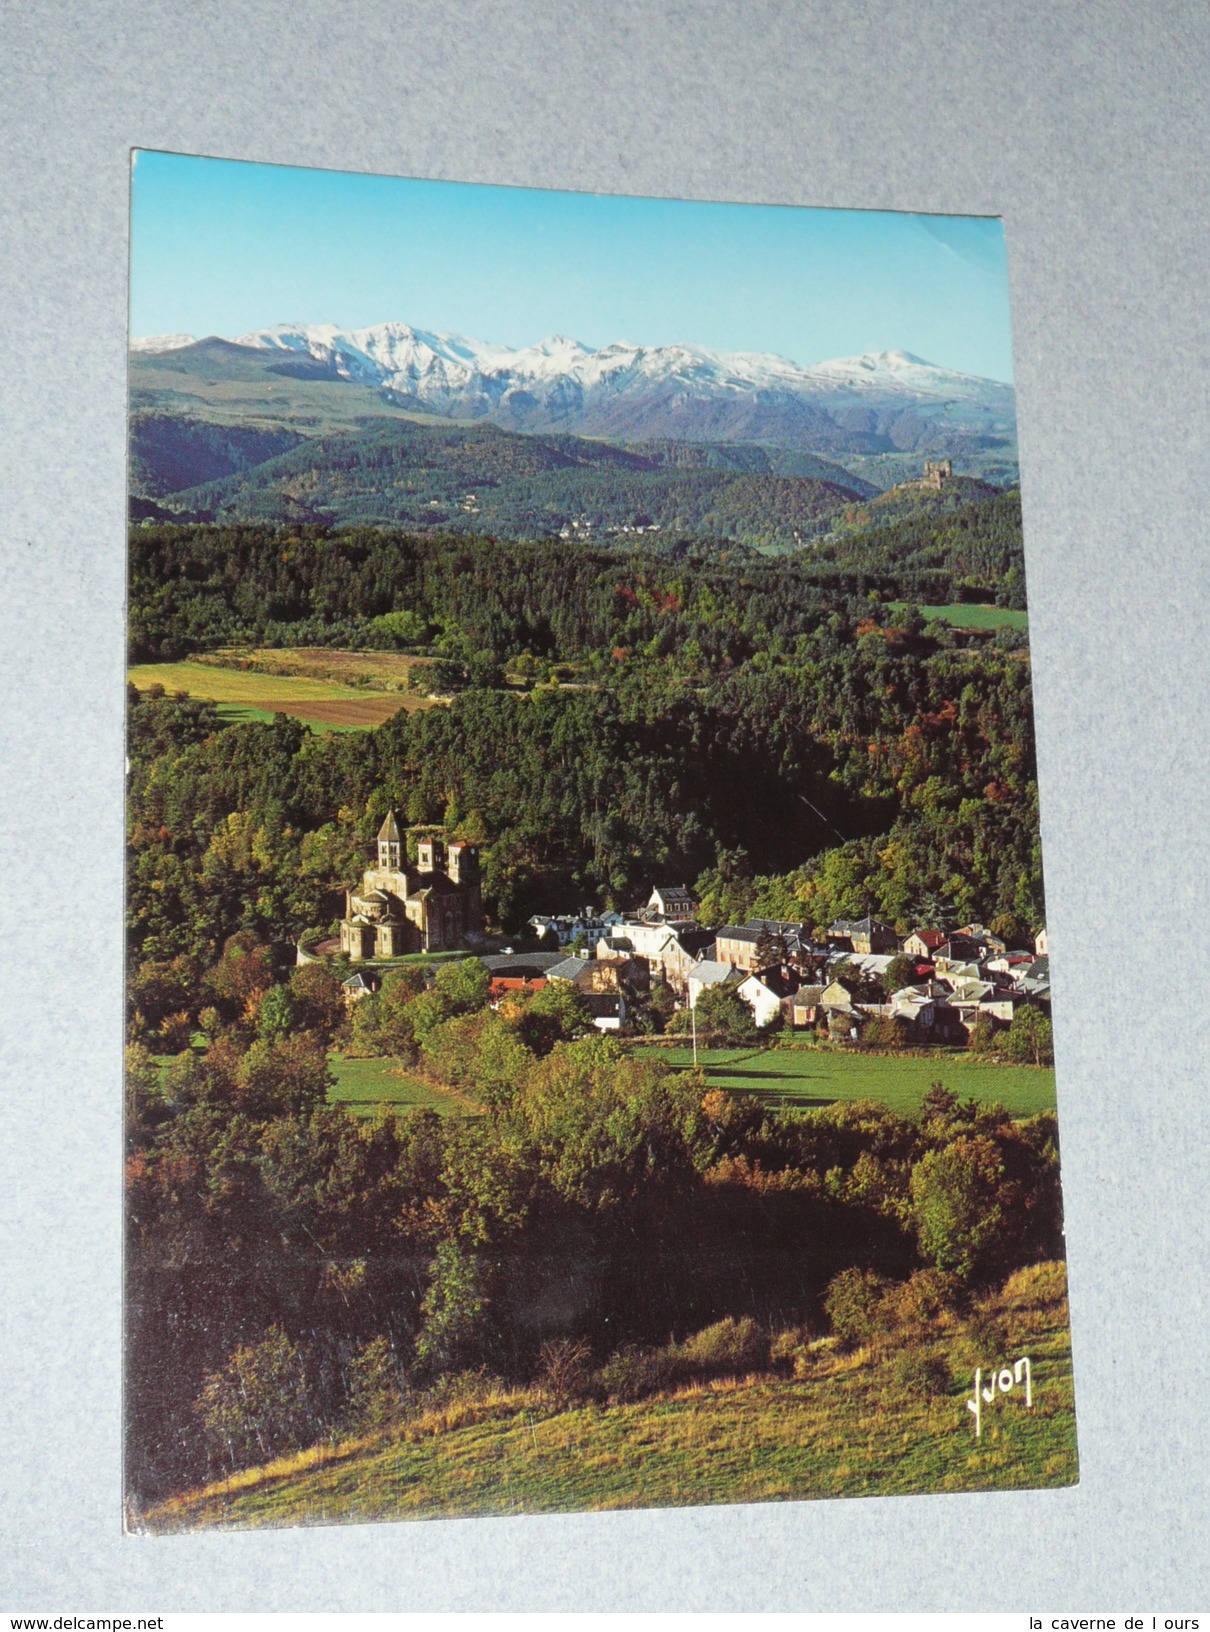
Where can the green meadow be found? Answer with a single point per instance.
(367, 1085)
(963, 616)
(801, 1077)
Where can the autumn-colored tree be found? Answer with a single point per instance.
(319, 996)
(288, 1077)
(241, 977)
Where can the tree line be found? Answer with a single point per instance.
(793, 754)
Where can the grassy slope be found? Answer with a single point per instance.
(798, 1078)
(846, 1429)
(313, 700)
(962, 616)
(365, 1085)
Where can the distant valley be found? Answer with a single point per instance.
(395, 426)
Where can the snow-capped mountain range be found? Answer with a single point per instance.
(625, 389)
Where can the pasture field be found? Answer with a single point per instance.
(376, 671)
(803, 1077)
(849, 1428)
(325, 705)
(962, 616)
(365, 1085)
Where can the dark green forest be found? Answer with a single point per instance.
(484, 481)
(771, 729)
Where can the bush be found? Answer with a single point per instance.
(982, 1039)
(175, 1033)
(923, 1376)
(728, 1346)
(955, 1206)
(1029, 1040)
(1039, 1286)
(375, 1395)
(788, 1350)
(850, 1302)
(987, 1337)
(565, 1375)
(919, 1302)
(257, 1407)
(722, 1014)
(633, 1373)
(457, 1326)
(884, 1031)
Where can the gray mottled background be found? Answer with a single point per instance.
(1085, 126)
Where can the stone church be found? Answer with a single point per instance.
(432, 906)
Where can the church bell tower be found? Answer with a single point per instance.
(390, 845)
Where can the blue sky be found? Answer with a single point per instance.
(219, 247)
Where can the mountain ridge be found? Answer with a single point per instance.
(405, 359)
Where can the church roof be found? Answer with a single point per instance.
(441, 884)
(389, 831)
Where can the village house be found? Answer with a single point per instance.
(513, 972)
(435, 905)
(958, 951)
(735, 945)
(614, 971)
(598, 985)
(869, 966)
(918, 1006)
(575, 969)
(839, 996)
(1042, 943)
(564, 928)
(1034, 980)
(744, 945)
(863, 935)
(989, 945)
(706, 973)
(672, 902)
(805, 1007)
(670, 950)
(589, 974)
(607, 1010)
(1002, 1004)
(923, 943)
(766, 990)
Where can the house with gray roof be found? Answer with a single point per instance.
(710, 972)
(863, 935)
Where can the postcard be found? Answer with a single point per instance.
(589, 1034)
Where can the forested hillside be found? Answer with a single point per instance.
(766, 728)
(485, 481)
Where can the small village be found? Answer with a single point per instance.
(838, 985)
(861, 982)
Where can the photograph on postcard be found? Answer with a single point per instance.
(588, 1011)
